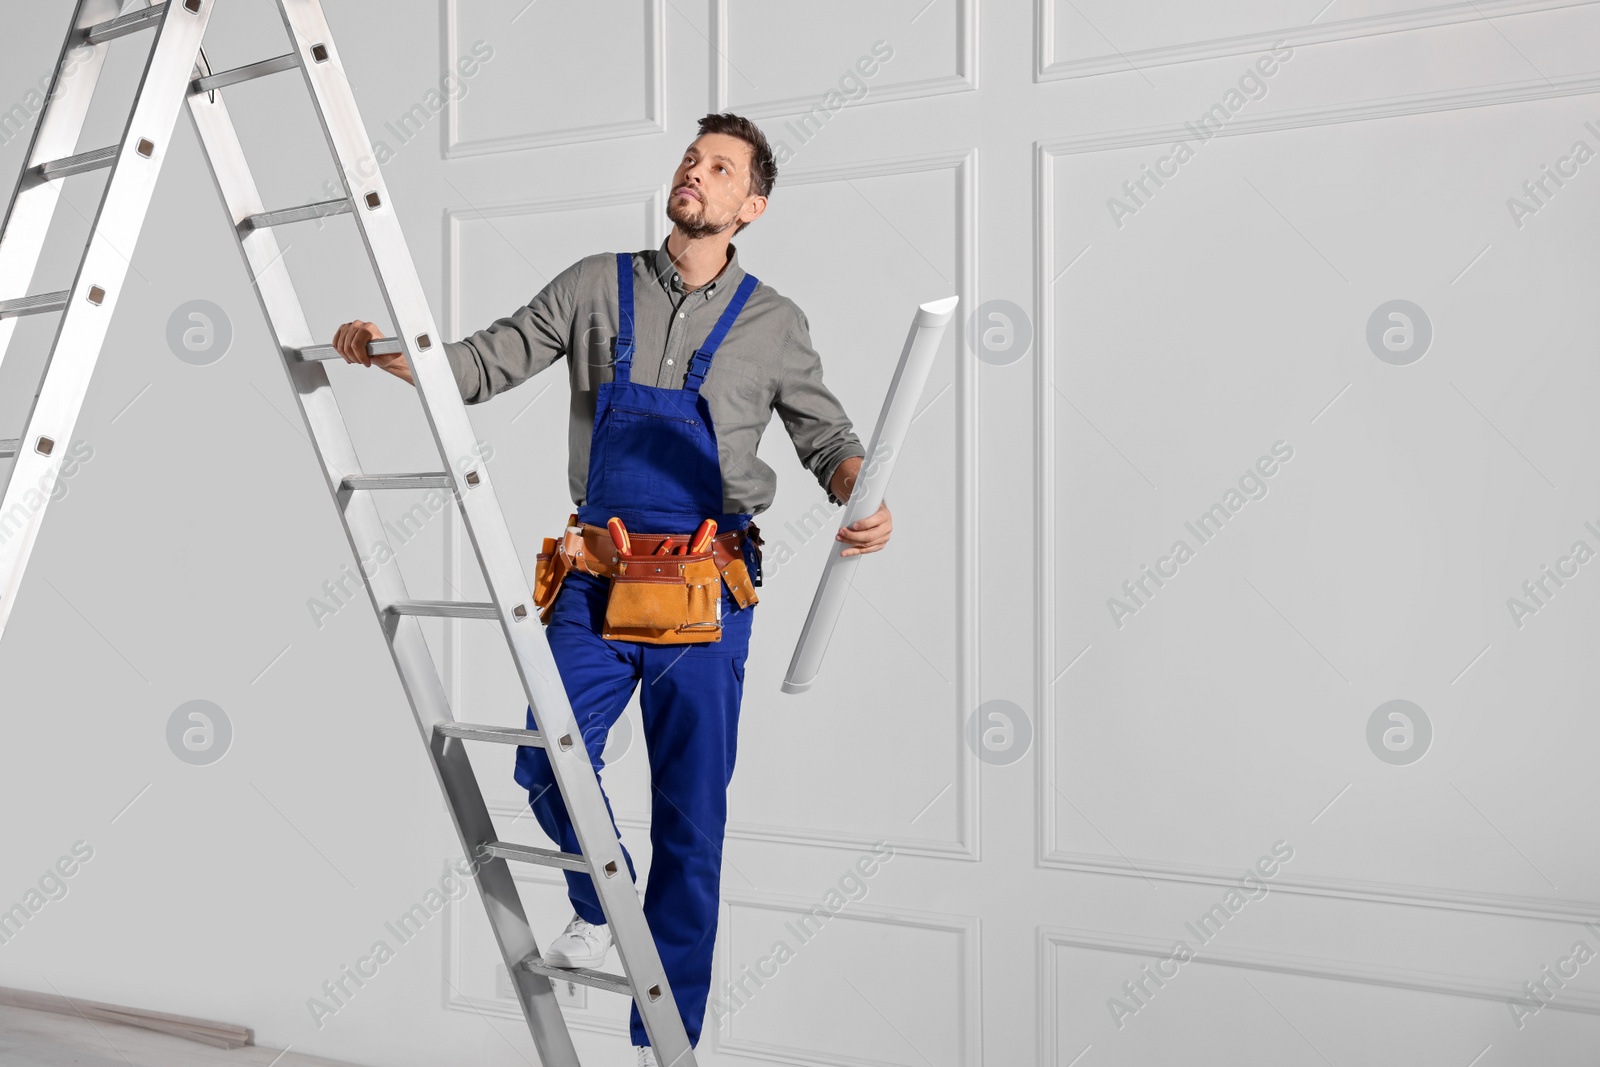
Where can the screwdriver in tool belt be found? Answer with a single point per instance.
(619, 535)
(701, 541)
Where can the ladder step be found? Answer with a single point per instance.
(9, 448)
(445, 609)
(387, 346)
(614, 983)
(213, 82)
(544, 857)
(81, 163)
(123, 25)
(504, 735)
(34, 305)
(306, 213)
(396, 481)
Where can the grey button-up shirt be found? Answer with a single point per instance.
(765, 364)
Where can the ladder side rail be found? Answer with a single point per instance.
(33, 202)
(363, 530)
(92, 300)
(485, 523)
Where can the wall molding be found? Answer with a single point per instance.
(1509, 905)
(1361, 111)
(964, 80)
(654, 120)
(1050, 856)
(774, 834)
(653, 200)
(1048, 68)
(966, 927)
(1051, 939)
(963, 162)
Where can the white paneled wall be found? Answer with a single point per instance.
(1199, 847)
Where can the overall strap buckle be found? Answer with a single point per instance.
(701, 363)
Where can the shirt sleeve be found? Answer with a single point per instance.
(821, 432)
(518, 346)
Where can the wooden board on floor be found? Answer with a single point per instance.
(44, 1039)
(217, 1035)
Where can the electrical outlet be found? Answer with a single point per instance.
(571, 994)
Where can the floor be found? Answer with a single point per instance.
(40, 1039)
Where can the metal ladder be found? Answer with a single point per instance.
(176, 71)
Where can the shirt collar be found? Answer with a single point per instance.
(667, 274)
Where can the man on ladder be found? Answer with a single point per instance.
(653, 581)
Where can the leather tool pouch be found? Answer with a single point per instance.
(551, 567)
(737, 575)
(665, 600)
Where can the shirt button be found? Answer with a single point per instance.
(681, 314)
(669, 362)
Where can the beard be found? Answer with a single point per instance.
(689, 217)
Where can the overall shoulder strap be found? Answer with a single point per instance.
(701, 363)
(623, 348)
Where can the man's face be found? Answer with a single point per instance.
(711, 187)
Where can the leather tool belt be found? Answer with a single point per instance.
(654, 599)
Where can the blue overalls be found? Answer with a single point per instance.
(653, 463)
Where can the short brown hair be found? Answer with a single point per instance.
(763, 165)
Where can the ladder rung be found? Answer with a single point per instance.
(614, 983)
(123, 25)
(396, 481)
(9, 448)
(544, 857)
(212, 82)
(445, 609)
(81, 163)
(34, 305)
(306, 213)
(505, 735)
(388, 346)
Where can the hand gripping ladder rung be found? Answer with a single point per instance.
(86, 307)
(510, 603)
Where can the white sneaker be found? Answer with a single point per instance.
(647, 1056)
(581, 944)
